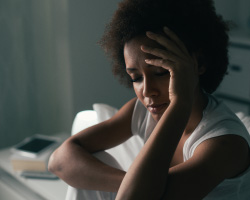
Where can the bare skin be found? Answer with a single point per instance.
(166, 80)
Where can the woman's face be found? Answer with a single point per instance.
(151, 83)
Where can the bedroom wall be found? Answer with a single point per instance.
(35, 77)
(92, 79)
(236, 11)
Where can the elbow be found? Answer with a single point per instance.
(54, 164)
(51, 163)
(58, 162)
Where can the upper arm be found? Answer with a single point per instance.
(109, 133)
(213, 161)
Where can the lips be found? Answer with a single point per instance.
(156, 108)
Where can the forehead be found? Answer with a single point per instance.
(135, 43)
(133, 53)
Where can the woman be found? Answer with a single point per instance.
(174, 55)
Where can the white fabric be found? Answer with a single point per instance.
(87, 118)
(119, 157)
(83, 120)
(142, 121)
(104, 111)
(217, 120)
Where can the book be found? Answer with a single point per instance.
(33, 154)
(23, 163)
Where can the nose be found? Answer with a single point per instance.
(149, 88)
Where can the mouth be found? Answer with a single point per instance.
(156, 108)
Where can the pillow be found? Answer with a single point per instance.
(84, 119)
(87, 118)
(104, 111)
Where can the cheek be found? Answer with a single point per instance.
(138, 90)
(164, 85)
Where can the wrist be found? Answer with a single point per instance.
(182, 103)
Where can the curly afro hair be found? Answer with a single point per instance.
(194, 21)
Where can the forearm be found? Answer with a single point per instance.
(82, 170)
(147, 177)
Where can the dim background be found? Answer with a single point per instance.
(51, 66)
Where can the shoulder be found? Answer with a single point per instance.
(126, 110)
(214, 160)
(225, 156)
(218, 120)
(220, 145)
(123, 118)
(221, 142)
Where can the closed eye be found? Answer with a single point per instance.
(136, 79)
(157, 74)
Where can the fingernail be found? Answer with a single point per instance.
(149, 33)
(144, 48)
(147, 60)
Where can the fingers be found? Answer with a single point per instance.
(164, 54)
(166, 64)
(173, 44)
(174, 57)
(176, 39)
(165, 42)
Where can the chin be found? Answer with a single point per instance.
(156, 117)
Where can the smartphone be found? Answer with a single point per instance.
(32, 146)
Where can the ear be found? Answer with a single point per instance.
(200, 61)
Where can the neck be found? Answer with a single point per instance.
(200, 103)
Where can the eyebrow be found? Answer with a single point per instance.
(131, 69)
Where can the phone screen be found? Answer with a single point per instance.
(35, 145)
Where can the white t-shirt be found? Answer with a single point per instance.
(217, 120)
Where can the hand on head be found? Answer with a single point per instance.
(175, 58)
